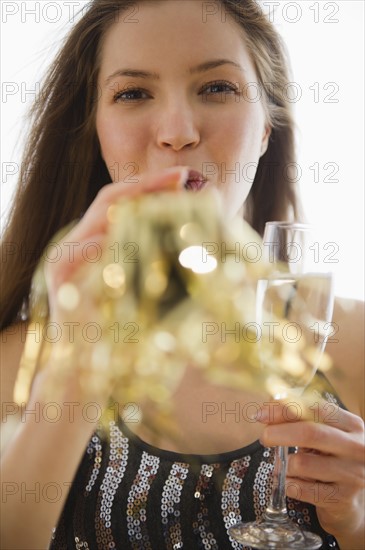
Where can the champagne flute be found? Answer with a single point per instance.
(295, 295)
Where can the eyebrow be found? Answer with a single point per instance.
(202, 67)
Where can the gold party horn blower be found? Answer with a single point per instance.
(165, 283)
(168, 280)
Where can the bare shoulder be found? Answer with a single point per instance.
(12, 341)
(346, 348)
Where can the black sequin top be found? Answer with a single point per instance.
(129, 495)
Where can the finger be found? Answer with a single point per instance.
(96, 216)
(321, 437)
(172, 178)
(73, 258)
(319, 494)
(277, 412)
(332, 414)
(92, 228)
(323, 468)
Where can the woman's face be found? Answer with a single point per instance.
(174, 81)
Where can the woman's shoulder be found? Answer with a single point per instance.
(346, 349)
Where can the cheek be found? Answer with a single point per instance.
(121, 142)
(238, 155)
(238, 136)
(247, 137)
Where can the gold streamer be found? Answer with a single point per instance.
(165, 276)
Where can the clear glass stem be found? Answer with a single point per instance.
(275, 530)
(276, 510)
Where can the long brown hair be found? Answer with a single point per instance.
(62, 168)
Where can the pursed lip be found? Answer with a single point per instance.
(195, 181)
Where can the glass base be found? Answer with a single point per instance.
(269, 535)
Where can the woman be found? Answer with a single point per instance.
(158, 96)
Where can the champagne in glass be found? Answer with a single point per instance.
(293, 301)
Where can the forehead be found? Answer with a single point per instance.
(155, 32)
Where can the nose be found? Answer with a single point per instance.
(177, 127)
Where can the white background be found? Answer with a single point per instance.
(326, 45)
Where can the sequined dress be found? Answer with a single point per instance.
(129, 495)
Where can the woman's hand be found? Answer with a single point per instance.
(93, 226)
(328, 470)
(73, 363)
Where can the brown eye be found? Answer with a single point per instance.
(219, 88)
(130, 95)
